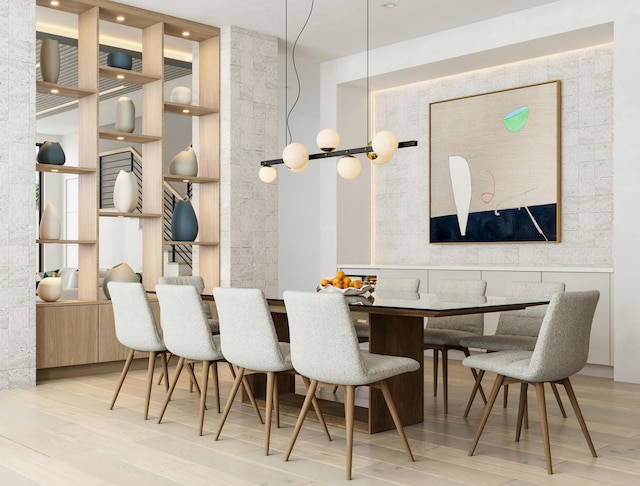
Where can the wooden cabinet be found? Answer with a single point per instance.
(90, 318)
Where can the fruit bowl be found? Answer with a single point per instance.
(350, 291)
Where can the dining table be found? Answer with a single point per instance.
(396, 323)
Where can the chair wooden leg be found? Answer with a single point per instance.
(247, 389)
(192, 375)
(349, 405)
(268, 406)
(526, 412)
(303, 413)
(396, 418)
(474, 391)
(487, 410)
(544, 425)
(435, 372)
(576, 408)
(125, 370)
(445, 379)
(475, 377)
(505, 398)
(179, 367)
(214, 375)
(150, 368)
(554, 388)
(316, 407)
(234, 389)
(165, 370)
(203, 394)
(166, 378)
(521, 408)
(276, 401)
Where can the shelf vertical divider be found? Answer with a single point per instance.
(88, 40)
(209, 160)
(152, 154)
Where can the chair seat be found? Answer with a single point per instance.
(380, 367)
(445, 337)
(515, 364)
(504, 342)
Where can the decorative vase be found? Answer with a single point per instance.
(461, 186)
(125, 115)
(120, 60)
(181, 94)
(125, 192)
(50, 223)
(50, 289)
(184, 163)
(121, 272)
(51, 153)
(50, 60)
(184, 224)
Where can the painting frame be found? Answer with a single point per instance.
(494, 166)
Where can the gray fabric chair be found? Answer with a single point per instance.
(198, 283)
(188, 336)
(518, 329)
(136, 329)
(386, 286)
(442, 334)
(249, 341)
(561, 351)
(324, 348)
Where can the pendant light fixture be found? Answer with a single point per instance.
(295, 156)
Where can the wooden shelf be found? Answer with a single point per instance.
(116, 214)
(127, 76)
(200, 243)
(64, 169)
(189, 179)
(127, 137)
(67, 242)
(187, 110)
(63, 90)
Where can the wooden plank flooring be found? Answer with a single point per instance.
(62, 433)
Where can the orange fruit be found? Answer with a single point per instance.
(340, 274)
(324, 282)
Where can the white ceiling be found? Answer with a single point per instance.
(336, 27)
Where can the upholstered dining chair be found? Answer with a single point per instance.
(136, 329)
(198, 282)
(249, 341)
(324, 348)
(442, 334)
(187, 335)
(518, 329)
(561, 350)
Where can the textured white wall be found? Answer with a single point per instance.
(17, 194)
(401, 188)
(248, 134)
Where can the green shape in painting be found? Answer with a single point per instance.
(515, 121)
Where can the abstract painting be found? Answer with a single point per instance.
(494, 166)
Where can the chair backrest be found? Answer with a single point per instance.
(247, 335)
(455, 289)
(562, 347)
(135, 325)
(527, 322)
(393, 285)
(324, 345)
(185, 327)
(195, 280)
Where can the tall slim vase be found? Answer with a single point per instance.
(125, 192)
(50, 60)
(50, 223)
(184, 224)
(125, 115)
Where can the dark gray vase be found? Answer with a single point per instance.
(51, 153)
(120, 60)
(184, 224)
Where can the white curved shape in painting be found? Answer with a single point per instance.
(461, 185)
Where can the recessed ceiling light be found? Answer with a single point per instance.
(186, 33)
(120, 138)
(185, 111)
(120, 76)
(54, 91)
(55, 3)
(389, 5)
(120, 18)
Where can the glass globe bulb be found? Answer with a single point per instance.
(295, 171)
(385, 143)
(348, 167)
(267, 174)
(328, 140)
(295, 156)
(379, 159)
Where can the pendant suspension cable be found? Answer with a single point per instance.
(369, 132)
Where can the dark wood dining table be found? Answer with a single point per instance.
(396, 324)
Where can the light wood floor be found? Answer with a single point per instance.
(62, 433)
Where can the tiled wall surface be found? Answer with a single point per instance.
(401, 188)
(17, 196)
(248, 133)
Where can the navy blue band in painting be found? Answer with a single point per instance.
(535, 223)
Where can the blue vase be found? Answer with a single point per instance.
(120, 60)
(51, 153)
(184, 224)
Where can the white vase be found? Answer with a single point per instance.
(50, 289)
(181, 94)
(125, 192)
(461, 186)
(50, 223)
(125, 115)
(184, 163)
(50, 60)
